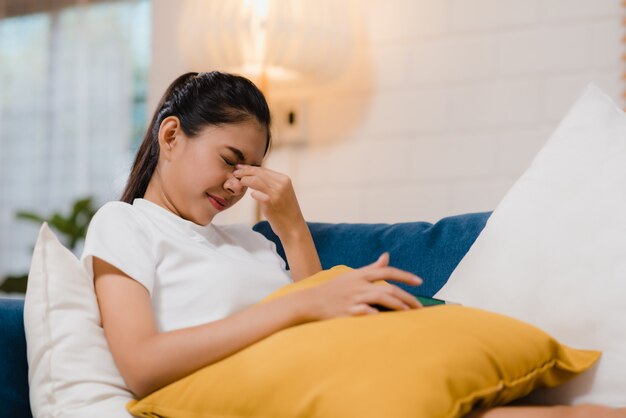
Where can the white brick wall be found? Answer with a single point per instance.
(444, 106)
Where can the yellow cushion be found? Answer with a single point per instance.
(434, 362)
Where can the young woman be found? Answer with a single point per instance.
(177, 292)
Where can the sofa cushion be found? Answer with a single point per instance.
(71, 370)
(393, 365)
(13, 365)
(554, 251)
(431, 251)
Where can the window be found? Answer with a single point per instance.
(73, 87)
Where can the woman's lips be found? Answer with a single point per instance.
(217, 202)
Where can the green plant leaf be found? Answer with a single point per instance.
(62, 224)
(29, 216)
(72, 227)
(81, 206)
(14, 284)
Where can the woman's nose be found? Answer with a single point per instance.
(233, 185)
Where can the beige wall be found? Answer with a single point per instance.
(167, 62)
(444, 106)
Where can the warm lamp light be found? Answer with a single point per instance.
(269, 40)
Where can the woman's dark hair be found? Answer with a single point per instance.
(197, 100)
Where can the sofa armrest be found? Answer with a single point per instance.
(14, 399)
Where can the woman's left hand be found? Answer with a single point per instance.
(275, 195)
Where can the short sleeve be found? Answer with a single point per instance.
(118, 235)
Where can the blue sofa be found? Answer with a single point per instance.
(432, 251)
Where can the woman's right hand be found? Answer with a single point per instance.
(356, 293)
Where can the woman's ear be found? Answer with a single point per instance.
(169, 136)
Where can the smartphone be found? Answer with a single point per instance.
(424, 300)
(427, 301)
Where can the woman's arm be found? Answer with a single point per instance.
(300, 251)
(279, 204)
(148, 360)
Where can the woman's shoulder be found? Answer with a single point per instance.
(115, 207)
(118, 235)
(116, 215)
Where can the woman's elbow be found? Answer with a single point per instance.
(140, 386)
(138, 378)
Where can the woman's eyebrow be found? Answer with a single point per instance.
(240, 156)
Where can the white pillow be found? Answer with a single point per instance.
(553, 252)
(71, 371)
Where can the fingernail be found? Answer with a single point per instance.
(416, 279)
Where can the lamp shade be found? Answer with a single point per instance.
(277, 39)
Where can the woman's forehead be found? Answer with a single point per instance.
(247, 139)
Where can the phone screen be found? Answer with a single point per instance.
(426, 301)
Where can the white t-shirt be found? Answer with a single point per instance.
(194, 274)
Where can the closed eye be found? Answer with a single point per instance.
(229, 162)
